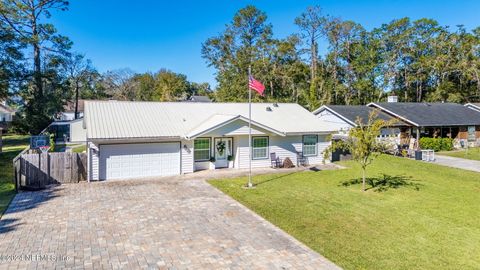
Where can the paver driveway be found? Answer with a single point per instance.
(144, 224)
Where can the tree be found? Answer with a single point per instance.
(244, 43)
(12, 66)
(145, 85)
(312, 25)
(362, 142)
(78, 71)
(119, 84)
(170, 86)
(25, 20)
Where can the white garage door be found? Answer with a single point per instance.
(122, 161)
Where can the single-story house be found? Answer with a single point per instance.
(342, 118)
(436, 119)
(473, 106)
(143, 139)
(68, 113)
(68, 131)
(6, 114)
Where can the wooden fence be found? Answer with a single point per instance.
(37, 170)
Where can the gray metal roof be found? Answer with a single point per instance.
(199, 99)
(431, 114)
(126, 119)
(350, 113)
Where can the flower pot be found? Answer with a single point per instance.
(211, 166)
(230, 164)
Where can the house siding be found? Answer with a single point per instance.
(187, 156)
(331, 120)
(237, 127)
(77, 132)
(283, 147)
(93, 161)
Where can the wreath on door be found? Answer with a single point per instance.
(220, 147)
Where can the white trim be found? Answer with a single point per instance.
(239, 117)
(392, 113)
(325, 107)
(475, 107)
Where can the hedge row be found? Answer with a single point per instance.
(437, 144)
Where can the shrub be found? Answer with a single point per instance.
(437, 144)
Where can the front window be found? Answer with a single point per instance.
(310, 145)
(201, 149)
(259, 147)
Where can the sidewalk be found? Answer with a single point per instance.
(459, 163)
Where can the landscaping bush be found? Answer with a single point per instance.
(437, 144)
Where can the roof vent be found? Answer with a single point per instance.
(268, 109)
(275, 104)
(392, 99)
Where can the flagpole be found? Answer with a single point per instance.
(249, 130)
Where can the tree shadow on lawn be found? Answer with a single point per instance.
(385, 182)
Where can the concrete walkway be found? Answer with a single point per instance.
(459, 163)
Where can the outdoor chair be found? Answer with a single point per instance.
(275, 161)
(301, 160)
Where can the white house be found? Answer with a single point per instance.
(342, 118)
(68, 113)
(6, 113)
(143, 139)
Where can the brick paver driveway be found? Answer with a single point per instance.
(175, 224)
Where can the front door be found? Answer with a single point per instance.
(223, 149)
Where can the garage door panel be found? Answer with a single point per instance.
(122, 161)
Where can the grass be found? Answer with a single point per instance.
(79, 149)
(418, 215)
(471, 153)
(12, 146)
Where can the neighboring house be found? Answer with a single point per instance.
(436, 119)
(143, 139)
(6, 116)
(68, 131)
(199, 99)
(66, 128)
(473, 106)
(342, 118)
(6, 113)
(68, 113)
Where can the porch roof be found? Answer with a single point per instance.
(219, 120)
(431, 114)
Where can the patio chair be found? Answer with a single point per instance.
(397, 150)
(275, 161)
(301, 160)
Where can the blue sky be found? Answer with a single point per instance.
(146, 35)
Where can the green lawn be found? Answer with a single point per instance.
(12, 145)
(79, 149)
(471, 153)
(431, 220)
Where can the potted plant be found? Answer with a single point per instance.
(230, 161)
(212, 163)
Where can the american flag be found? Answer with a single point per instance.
(256, 85)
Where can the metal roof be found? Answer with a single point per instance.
(128, 119)
(431, 114)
